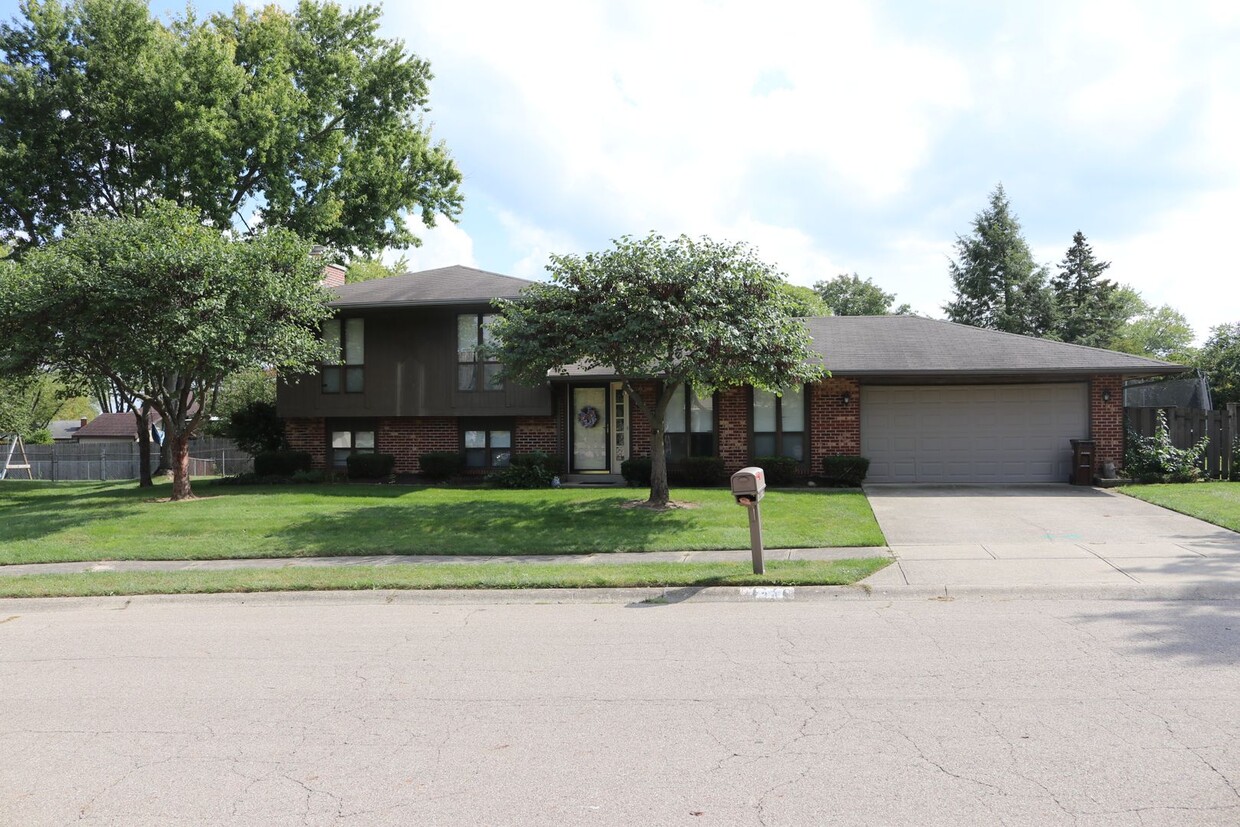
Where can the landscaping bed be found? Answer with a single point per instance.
(52, 522)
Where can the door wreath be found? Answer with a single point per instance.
(588, 416)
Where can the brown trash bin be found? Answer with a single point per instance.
(1082, 462)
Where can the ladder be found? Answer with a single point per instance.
(15, 446)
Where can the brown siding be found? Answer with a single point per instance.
(410, 370)
(1106, 420)
(835, 427)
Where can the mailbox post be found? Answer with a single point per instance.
(749, 487)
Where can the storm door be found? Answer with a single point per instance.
(589, 429)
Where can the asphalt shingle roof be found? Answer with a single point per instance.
(445, 285)
(891, 345)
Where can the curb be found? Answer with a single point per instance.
(643, 597)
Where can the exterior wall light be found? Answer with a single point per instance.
(846, 398)
(1106, 396)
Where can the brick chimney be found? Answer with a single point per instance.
(333, 276)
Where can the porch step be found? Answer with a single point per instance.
(592, 480)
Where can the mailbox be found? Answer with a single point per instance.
(749, 485)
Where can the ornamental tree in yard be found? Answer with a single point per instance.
(680, 312)
(165, 308)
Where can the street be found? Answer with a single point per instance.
(378, 709)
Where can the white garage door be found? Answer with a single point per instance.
(972, 433)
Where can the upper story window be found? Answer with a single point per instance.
(779, 423)
(473, 371)
(689, 429)
(345, 373)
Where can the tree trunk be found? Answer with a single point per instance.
(165, 458)
(180, 468)
(143, 415)
(659, 493)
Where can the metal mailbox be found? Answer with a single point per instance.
(749, 485)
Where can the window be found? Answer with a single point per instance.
(348, 341)
(486, 445)
(690, 427)
(473, 371)
(779, 423)
(346, 441)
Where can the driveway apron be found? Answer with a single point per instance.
(1018, 535)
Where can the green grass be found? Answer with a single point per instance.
(441, 576)
(1215, 502)
(52, 522)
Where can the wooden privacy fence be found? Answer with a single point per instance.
(1187, 426)
(120, 460)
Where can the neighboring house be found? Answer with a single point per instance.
(116, 427)
(64, 430)
(925, 400)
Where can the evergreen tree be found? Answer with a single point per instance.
(1089, 310)
(998, 285)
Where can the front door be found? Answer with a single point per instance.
(588, 427)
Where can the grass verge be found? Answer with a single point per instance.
(442, 576)
(43, 522)
(1214, 502)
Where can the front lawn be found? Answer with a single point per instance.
(49, 522)
(1215, 502)
(443, 576)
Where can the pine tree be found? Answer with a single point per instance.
(998, 284)
(1090, 312)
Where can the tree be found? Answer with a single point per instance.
(1220, 359)
(1088, 312)
(165, 308)
(29, 402)
(308, 113)
(850, 296)
(1155, 332)
(367, 268)
(680, 312)
(238, 391)
(998, 285)
(804, 301)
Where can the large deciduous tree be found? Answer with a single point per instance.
(1220, 359)
(849, 295)
(165, 308)
(680, 312)
(997, 283)
(1088, 309)
(1156, 332)
(306, 118)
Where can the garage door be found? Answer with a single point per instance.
(972, 433)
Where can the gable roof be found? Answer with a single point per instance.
(444, 285)
(901, 345)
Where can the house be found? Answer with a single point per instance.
(925, 400)
(63, 430)
(116, 427)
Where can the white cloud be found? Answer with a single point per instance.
(443, 245)
(534, 245)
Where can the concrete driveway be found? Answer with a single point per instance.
(1023, 535)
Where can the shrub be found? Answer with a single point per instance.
(1156, 459)
(257, 428)
(41, 436)
(441, 465)
(309, 477)
(698, 471)
(532, 470)
(779, 470)
(282, 463)
(370, 466)
(842, 470)
(636, 471)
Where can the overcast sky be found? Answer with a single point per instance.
(839, 137)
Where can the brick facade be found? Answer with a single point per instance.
(835, 425)
(1106, 420)
(309, 435)
(732, 411)
(409, 437)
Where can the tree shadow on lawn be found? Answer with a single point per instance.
(33, 510)
(489, 527)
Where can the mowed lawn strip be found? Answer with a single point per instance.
(496, 575)
(55, 522)
(1214, 502)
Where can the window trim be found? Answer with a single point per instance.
(688, 431)
(353, 426)
(806, 391)
(486, 425)
(341, 367)
(478, 363)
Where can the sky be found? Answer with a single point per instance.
(841, 137)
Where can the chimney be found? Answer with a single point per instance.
(333, 276)
(83, 423)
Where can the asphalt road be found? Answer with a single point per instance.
(351, 710)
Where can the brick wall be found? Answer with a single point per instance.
(639, 424)
(536, 433)
(409, 437)
(732, 421)
(309, 435)
(835, 427)
(1106, 420)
